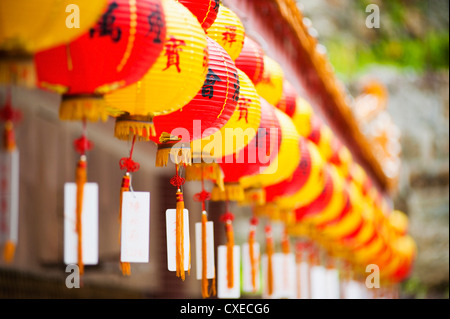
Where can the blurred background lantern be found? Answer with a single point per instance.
(284, 163)
(288, 101)
(206, 113)
(176, 77)
(321, 135)
(271, 85)
(115, 52)
(234, 136)
(228, 31)
(31, 26)
(251, 60)
(205, 10)
(252, 159)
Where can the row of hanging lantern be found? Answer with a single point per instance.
(182, 75)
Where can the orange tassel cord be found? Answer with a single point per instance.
(129, 166)
(251, 246)
(178, 182)
(269, 251)
(81, 145)
(227, 218)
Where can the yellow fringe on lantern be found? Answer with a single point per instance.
(126, 130)
(181, 155)
(208, 171)
(254, 196)
(269, 210)
(79, 108)
(231, 191)
(80, 180)
(8, 251)
(19, 72)
(179, 236)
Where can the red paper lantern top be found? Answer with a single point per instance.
(288, 102)
(249, 161)
(204, 10)
(251, 60)
(117, 51)
(213, 105)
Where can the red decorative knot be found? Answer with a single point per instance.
(202, 196)
(268, 229)
(227, 217)
(7, 113)
(177, 181)
(254, 221)
(129, 165)
(82, 145)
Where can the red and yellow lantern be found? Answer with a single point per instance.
(251, 60)
(271, 85)
(205, 10)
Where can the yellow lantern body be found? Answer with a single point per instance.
(228, 31)
(271, 85)
(176, 76)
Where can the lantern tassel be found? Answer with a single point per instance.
(124, 266)
(209, 171)
(231, 191)
(251, 245)
(8, 251)
(228, 219)
(80, 181)
(205, 292)
(180, 235)
(270, 251)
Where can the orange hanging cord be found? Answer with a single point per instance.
(251, 248)
(228, 218)
(269, 251)
(81, 145)
(130, 166)
(202, 197)
(178, 182)
(9, 116)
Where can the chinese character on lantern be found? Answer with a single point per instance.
(173, 48)
(230, 35)
(216, 6)
(105, 25)
(208, 87)
(243, 108)
(237, 87)
(156, 24)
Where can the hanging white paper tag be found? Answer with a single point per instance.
(318, 282)
(9, 196)
(247, 281)
(89, 224)
(303, 281)
(209, 250)
(332, 281)
(222, 280)
(135, 234)
(171, 219)
(287, 275)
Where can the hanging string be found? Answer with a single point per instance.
(130, 166)
(251, 245)
(228, 218)
(202, 197)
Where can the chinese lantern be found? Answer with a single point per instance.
(205, 10)
(251, 160)
(302, 116)
(288, 101)
(31, 26)
(206, 113)
(234, 136)
(228, 31)
(341, 157)
(321, 135)
(271, 85)
(115, 52)
(286, 160)
(174, 80)
(251, 60)
(314, 180)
